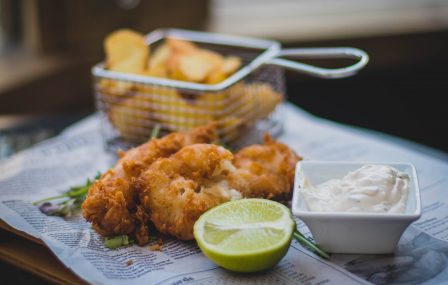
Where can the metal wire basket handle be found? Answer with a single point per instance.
(321, 53)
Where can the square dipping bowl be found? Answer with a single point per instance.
(353, 232)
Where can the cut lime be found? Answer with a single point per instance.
(246, 235)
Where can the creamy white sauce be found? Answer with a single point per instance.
(371, 188)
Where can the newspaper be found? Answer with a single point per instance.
(51, 167)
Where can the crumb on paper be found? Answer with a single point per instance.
(155, 247)
(129, 262)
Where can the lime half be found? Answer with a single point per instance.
(246, 235)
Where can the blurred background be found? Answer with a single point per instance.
(47, 48)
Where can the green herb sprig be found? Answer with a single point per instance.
(76, 195)
(117, 241)
(155, 132)
(306, 242)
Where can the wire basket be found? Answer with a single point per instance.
(243, 106)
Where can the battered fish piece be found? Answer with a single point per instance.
(265, 171)
(112, 204)
(175, 191)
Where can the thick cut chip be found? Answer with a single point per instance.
(126, 51)
(181, 46)
(229, 65)
(193, 68)
(196, 67)
(158, 61)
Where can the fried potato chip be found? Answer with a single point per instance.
(158, 61)
(216, 77)
(193, 68)
(229, 65)
(170, 109)
(265, 99)
(230, 128)
(126, 51)
(196, 67)
(131, 117)
(181, 46)
(177, 49)
(222, 103)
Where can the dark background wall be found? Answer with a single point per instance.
(402, 91)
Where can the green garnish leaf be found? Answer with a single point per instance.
(76, 195)
(117, 241)
(155, 132)
(310, 245)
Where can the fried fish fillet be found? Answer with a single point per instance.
(175, 191)
(264, 171)
(112, 205)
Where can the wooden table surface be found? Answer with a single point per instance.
(30, 254)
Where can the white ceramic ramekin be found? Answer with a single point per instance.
(343, 232)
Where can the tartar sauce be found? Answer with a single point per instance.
(371, 188)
